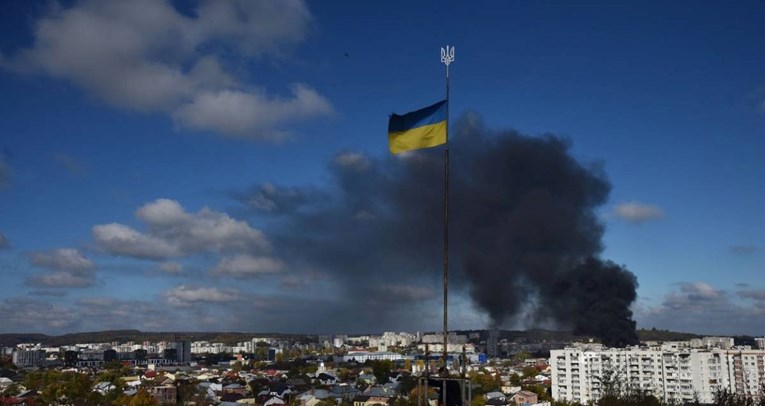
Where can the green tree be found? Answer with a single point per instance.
(7, 363)
(261, 353)
(67, 388)
(12, 390)
(190, 394)
(521, 356)
(381, 369)
(478, 401)
(33, 380)
(515, 379)
(141, 398)
(530, 372)
(406, 384)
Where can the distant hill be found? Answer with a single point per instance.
(231, 338)
(122, 336)
(664, 335)
(10, 340)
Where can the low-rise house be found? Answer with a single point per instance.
(164, 393)
(368, 379)
(365, 400)
(271, 400)
(344, 392)
(525, 397)
(495, 396)
(327, 379)
(235, 388)
(312, 397)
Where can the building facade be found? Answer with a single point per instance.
(670, 373)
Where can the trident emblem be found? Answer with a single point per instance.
(447, 57)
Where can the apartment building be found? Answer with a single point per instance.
(669, 372)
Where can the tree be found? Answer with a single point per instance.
(407, 383)
(261, 353)
(727, 398)
(478, 401)
(141, 398)
(521, 356)
(515, 379)
(67, 388)
(12, 390)
(190, 394)
(381, 370)
(7, 363)
(530, 372)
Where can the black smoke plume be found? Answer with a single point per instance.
(524, 233)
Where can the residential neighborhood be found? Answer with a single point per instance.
(396, 369)
(331, 370)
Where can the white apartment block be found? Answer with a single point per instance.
(364, 356)
(439, 338)
(450, 347)
(206, 347)
(670, 372)
(29, 358)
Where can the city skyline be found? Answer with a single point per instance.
(223, 166)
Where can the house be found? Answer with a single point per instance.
(364, 400)
(368, 379)
(344, 392)
(274, 401)
(235, 388)
(312, 397)
(525, 397)
(327, 379)
(164, 393)
(231, 397)
(495, 399)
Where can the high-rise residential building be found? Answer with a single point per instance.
(671, 373)
(492, 343)
(182, 351)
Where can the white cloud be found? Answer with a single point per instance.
(144, 55)
(25, 314)
(701, 308)
(163, 213)
(247, 266)
(173, 232)
(242, 114)
(188, 295)
(355, 160)
(70, 269)
(119, 239)
(636, 212)
(63, 259)
(62, 279)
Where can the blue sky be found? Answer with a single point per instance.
(138, 139)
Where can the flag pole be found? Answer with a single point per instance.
(447, 57)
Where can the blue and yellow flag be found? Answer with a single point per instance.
(423, 128)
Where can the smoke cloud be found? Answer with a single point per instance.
(524, 233)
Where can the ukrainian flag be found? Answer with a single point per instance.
(423, 128)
